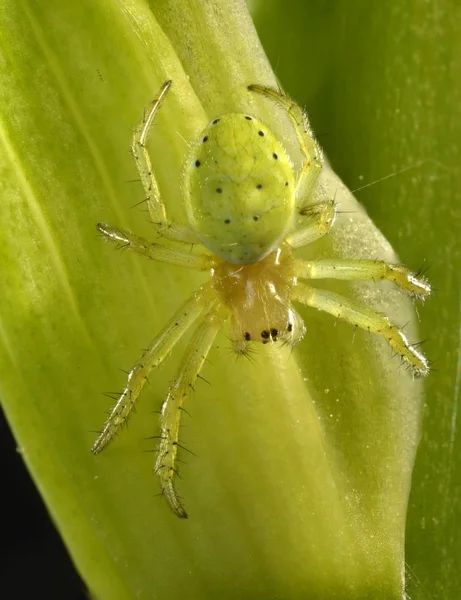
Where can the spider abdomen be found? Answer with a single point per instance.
(239, 189)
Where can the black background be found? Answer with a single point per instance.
(35, 562)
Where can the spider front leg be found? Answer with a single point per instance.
(365, 318)
(196, 353)
(153, 357)
(157, 211)
(309, 146)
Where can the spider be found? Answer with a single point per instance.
(249, 214)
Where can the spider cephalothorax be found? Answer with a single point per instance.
(258, 296)
(248, 213)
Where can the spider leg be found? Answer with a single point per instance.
(196, 353)
(320, 218)
(309, 146)
(153, 357)
(157, 211)
(159, 252)
(365, 318)
(364, 270)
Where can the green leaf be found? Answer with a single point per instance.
(382, 84)
(304, 460)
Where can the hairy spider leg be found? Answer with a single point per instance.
(321, 216)
(172, 231)
(152, 358)
(309, 146)
(196, 353)
(159, 252)
(364, 270)
(316, 221)
(365, 318)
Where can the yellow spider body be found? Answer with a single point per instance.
(258, 297)
(239, 189)
(247, 214)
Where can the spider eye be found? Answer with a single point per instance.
(247, 336)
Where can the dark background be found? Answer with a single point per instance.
(35, 562)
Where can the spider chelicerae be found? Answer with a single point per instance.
(248, 213)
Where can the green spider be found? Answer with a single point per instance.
(245, 206)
